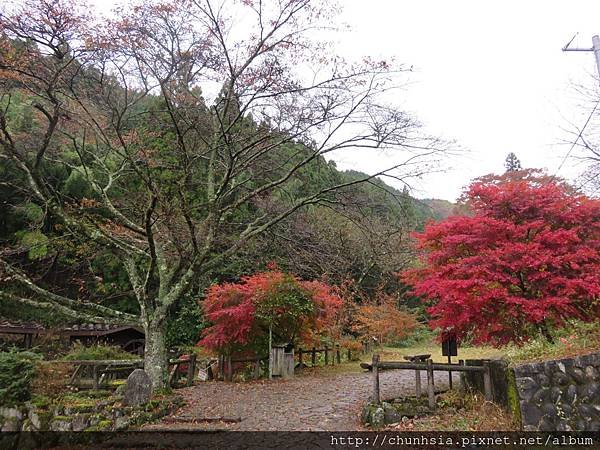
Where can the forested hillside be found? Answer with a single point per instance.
(360, 234)
(150, 155)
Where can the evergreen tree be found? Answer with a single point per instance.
(512, 163)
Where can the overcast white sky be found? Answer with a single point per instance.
(489, 74)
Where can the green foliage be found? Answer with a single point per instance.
(420, 336)
(36, 243)
(77, 186)
(33, 213)
(186, 324)
(97, 352)
(18, 371)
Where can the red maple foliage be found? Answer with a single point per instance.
(240, 312)
(526, 259)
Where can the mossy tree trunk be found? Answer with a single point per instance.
(156, 362)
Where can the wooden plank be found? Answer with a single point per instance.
(487, 382)
(105, 362)
(229, 368)
(174, 374)
(256, 374)
(430, 386)
(375, 364)
(202, 374)
(75, 373)
(191, 369)
(418, 383)
(95, 376)
(436, 366)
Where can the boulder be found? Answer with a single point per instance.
(138, 388)
(378, 418)
(391, 414)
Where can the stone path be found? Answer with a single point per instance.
(317, 402)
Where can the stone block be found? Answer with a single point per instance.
(530, 414)
(527, 387)
(378, 418)
(138, 389)
(541, 396)
(578, 375)
(80, 422)
(591, 373)
(570, 394)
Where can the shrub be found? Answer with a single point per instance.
(574, 338)
(98, 351)
(18, 371)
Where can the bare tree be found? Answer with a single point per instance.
(583, 139)
(121, 104)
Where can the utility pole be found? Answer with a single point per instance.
(595, 48)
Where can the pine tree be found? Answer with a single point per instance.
(512, 163)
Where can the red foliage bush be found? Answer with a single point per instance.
(240, 312)
(527, 258)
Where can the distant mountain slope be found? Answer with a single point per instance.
(441, 209)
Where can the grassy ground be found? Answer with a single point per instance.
(435, 350)
(577, 338)
(460, 412)
(397, 354)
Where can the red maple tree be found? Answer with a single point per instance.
(526, 259)
(241, 312)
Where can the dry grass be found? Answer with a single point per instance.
(575, 339)
(435, 350)
(51, 378)
(461, 412)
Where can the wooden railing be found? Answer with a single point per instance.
(333, 354)
(226, 363)
(95, 374)
(430, 367)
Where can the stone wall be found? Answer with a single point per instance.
(561, 395)
(100, 416)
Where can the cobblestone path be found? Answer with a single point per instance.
(317, 402)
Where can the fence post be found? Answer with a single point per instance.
(229, 369)
(463, 385)
(337, 354)
(314, 357)
(349, 358)
(430, 385)
(326, 355)
(300, 358)
(375, 367)
(418, 383)
(95, 374)
(487, 381)
(256, 373)
(191, 369)
(221, 367)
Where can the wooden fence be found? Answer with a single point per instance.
(97, 374)
(330, 354)
(226, 363)
(430, 367)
